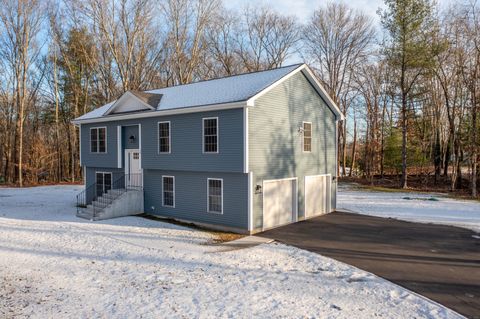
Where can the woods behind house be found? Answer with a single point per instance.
(410, 86)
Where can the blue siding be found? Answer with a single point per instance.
(186, 141)
(127, 132)
(191, 197)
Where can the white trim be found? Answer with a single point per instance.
(98, 140)
(169, 137)
(295, 214)
(140, 147)
(245, 140)
(250, 201)
(163, 191)
(119, 146)
(303, 137)
(251, 101)
(80, 144)
(203, 134)
(183, 110)
(208, 195)
(123, 97)
(324, 94)
(313, 80)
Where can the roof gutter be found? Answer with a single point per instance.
(146, 114)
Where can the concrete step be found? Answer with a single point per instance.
(102, 203)
(116, 192)
(85, 213)
(111, 196)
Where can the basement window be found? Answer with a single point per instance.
(168, 191)
(215, 195)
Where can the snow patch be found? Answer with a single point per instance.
(415, 207)
(54, 265)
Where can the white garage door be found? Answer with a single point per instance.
(279, 202)
(318, 195)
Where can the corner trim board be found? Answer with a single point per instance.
(119, 146)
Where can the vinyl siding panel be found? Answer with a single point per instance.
(128, 131)
(275, 143)
(186, 143)
(191, 197)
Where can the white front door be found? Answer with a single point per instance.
(133, 170)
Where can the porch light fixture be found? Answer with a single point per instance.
(258, 189)
(131, 138)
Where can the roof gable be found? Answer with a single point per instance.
(134, 101)
(315, 83)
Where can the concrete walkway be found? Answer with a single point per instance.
(439, 262)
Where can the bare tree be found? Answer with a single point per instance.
(336, 40)
(126, 29)
(20, 21)
(187, 22)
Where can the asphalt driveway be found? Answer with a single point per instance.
(439, 262)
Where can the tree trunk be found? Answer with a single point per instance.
(403, 181)
(354, 146)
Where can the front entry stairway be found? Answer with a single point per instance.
(124, 197)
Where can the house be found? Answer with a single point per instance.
(242, 153)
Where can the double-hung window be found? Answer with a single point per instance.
(164, 137)
(215, 195)
(168, 191)
(307, 136)
(98, 136)
(210, 135)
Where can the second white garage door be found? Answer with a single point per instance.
(279, 202)
(318, 195)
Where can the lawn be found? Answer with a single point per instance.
(54, 265)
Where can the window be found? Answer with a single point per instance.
(98, 140)
(168, 191)
(215, 195)
(164, 137)
(307, 136)
(103, 181)
(210, 135)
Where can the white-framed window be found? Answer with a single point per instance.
(98, 140)
(168, 191)
(307, 137)
(215, 195)
(103, 182)
(164, 140)
(210, 135)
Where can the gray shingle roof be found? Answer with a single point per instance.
(230, 89)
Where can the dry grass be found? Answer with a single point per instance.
(218, 236)
(222, 237)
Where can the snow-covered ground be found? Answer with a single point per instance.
(410, 206)
(53, 265)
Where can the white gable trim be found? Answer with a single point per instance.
(126, 96)
(313, 80)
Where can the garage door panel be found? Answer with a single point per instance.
(279, 202)
(317, 195)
